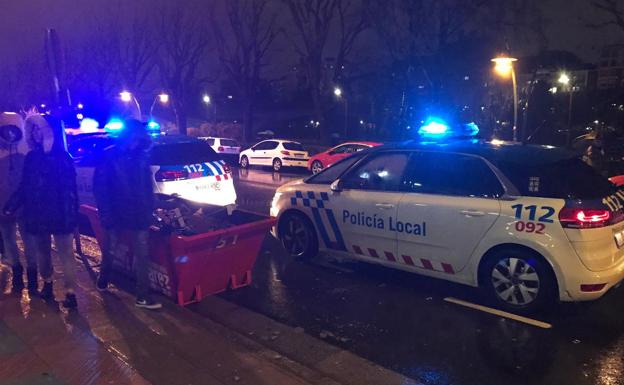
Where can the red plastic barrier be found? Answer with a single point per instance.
(189, 268)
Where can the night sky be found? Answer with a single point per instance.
(23, 23)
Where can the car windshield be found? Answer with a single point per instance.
(170, 154)
(229, 143)
(293, 146)
(334, 172)
(568, 179)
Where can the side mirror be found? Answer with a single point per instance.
(253, 148)
(336, 186)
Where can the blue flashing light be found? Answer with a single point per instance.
(434, 127)
(472, 129)
(153, 126)
(114, 126)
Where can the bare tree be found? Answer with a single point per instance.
(613, 10)
(136, 50)
(312, 20)
(184, 40)
(352, 21)
(242, 41)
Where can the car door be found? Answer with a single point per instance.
(258, 154)
(450, 204)
(367, 203)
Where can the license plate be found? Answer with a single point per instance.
(298, 155)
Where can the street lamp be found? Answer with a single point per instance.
(338, 94)
(207, 100)
(503, 66)
(566, 81)
(163, 98)
(127, 97)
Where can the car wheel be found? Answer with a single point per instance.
(317, 167)
(298, 236)
(277, 164)
(518, 280)
(244, 162)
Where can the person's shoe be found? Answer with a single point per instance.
(70, 301)
(101, 284)
(147, 303)
(47, 293)
(18, 279)
(33, 284)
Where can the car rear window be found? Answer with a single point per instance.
(568, 179)
(293, 146)
(229, 143)
(171, 154)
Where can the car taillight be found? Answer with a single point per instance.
(285, 152)
(170, 175)
(573, 218)
(220, 149)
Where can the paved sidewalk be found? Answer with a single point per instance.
(110, 341)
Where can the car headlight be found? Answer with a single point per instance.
(274, 210)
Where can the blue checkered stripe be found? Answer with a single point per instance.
(310, 199)
(326, 224)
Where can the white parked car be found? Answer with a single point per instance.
(181, 165)
(276, 153)
(228, 148)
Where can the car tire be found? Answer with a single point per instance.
(277, 164)
(529, 287)
(298, 236)
(244, 162)
(317, 167)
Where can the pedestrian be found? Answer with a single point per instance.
(13, 150)
(48, 198)
(124, 193)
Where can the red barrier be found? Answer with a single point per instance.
(189, 268)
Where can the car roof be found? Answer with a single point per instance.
(363, 143)
(497, 151)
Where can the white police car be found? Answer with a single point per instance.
(181, 165)
(526, 223)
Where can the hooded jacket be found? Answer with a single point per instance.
(122, 183)
(12, 152)
(47, 192)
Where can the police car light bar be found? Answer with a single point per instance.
(436, 128)
(114, 125)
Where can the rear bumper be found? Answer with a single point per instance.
(295, 162)
(610, 278)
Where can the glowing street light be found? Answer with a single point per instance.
(564, 79)
(504, 66)
(206, 98)
(338, 92)
(80, 106)
(163, 98)
(127, 97)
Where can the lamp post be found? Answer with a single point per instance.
(127, 97)
(208, 101)
(503, 65)
(566, 81)
(339, 94)
(163, 98)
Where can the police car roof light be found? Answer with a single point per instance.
(434, 127)
(114, 126)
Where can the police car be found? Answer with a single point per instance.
(529, 224)
(181, 165)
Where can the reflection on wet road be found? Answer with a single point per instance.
(400, 320)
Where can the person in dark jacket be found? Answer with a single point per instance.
(124, 193)
(48, 197)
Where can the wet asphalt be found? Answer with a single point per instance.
(401, 321)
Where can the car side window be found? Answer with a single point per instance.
(340, 149)
(380, 172)
(452, 174)
(262, 146)
(210, 141)
(270, 145)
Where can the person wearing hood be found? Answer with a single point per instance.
(13, 149)
(48, 198)
(124, 193)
